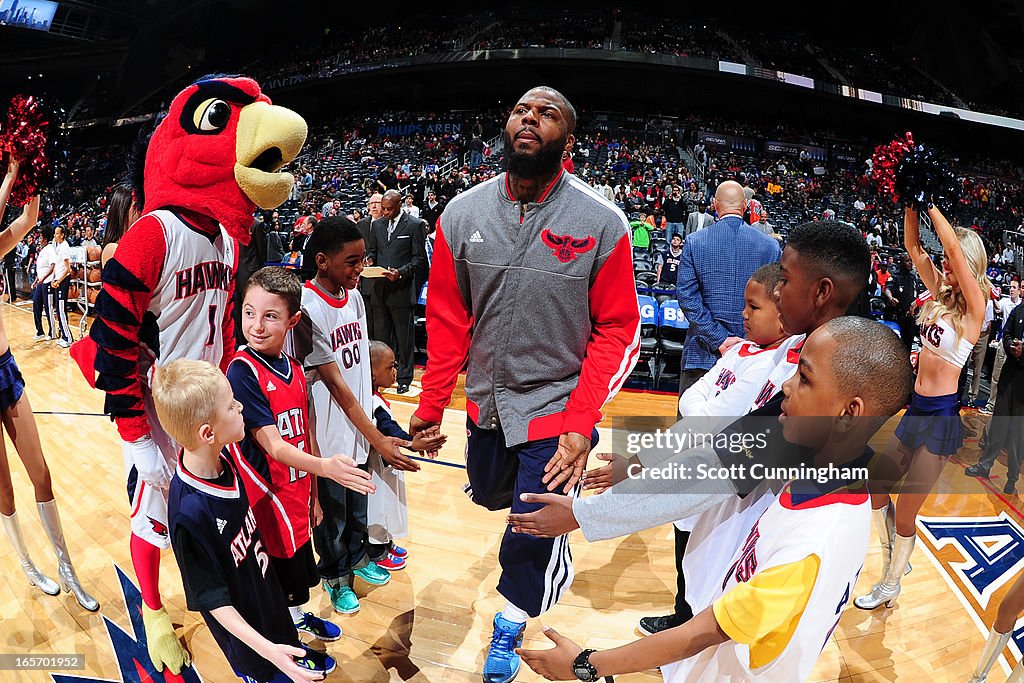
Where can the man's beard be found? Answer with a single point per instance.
(544, 161)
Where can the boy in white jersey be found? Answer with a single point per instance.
(781, 596)
(331, 342)
(742, 380)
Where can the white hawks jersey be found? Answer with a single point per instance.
(835, 528)
(338, 335)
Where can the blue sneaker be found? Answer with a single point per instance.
(399, 552)
(502, 663)
(373, 574)
(314, 660)
(343, 599)
(320, 629)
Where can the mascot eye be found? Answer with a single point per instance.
(212, 115)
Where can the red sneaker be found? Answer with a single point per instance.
(391, 563)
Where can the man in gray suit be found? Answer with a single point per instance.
(397, 241)
(698, 220)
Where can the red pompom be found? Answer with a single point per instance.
(884, 162)
(28, 128)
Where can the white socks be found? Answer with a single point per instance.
(514, 614)
(297, 614)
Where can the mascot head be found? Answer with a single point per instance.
(218, 152)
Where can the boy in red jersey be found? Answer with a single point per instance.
(277, 447)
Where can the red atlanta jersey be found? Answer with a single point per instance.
(279, 494)
(167, 294)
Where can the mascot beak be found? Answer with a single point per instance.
(268, 138)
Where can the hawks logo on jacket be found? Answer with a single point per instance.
(565, 247)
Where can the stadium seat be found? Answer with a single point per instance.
(648, 358)
(672, 328)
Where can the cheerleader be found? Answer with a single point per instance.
(930, 431)
(20, 423)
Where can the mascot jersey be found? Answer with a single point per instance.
(168, 295)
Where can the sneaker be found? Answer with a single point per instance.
(373, 574)
(343, 599)
(399, 552)
(391, 563)
(63, 343)
(987, 409)
(40, 337)
(502, 663)
(318, 628)
(651, 625)
(314, 660)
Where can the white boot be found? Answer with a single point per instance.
(1017, 675)
(889, 588)
(35, 577)
(994, 647)
(68, 579)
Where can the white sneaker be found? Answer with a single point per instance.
(63, 343)
(39, 337)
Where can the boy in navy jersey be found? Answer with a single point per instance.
(224, 565)
(277, 445)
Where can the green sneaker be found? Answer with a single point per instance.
(373, 574)
(343, 599)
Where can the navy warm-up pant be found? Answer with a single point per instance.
(535, 572)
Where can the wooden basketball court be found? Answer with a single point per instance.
(432, 622)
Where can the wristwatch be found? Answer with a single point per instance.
(582, 668)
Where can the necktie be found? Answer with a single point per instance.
(391, 228)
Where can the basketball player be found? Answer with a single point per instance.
(532, 286)
(331, 341)
(781, 595)
(217, 544)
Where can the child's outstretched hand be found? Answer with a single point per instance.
(603, 478)
(344, 470)
(283, 657)
(429, 441)
(390, 453)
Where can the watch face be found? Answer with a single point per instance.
(583, 672)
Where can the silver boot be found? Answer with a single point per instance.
(35, 577)
(890, 530)
(66, 572)
(1017, 675)
(889, 588)
(993, 648)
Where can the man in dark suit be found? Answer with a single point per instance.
(396, 242)
(365, 286)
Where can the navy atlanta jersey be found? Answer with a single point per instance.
(221, 525)
(273, 392)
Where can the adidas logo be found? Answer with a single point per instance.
(220, 525)
(271, 386)
(476, 237)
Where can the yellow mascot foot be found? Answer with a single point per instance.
(164, 647)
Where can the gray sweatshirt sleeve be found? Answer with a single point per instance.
(637, 504)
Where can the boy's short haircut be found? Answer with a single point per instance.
(833, 249)
(185, 395)
(46, 232)
(331, 235)
(279, 281)
(377, 349)
(871, 361)
(768, 276)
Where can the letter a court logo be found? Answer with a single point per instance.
(988, 558)
(131, 648)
